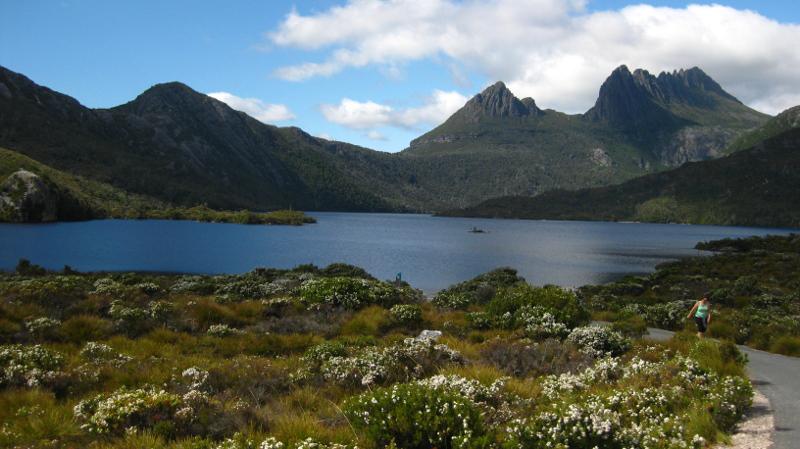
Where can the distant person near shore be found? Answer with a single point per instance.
(701, 311)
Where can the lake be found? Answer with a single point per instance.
(430, 252)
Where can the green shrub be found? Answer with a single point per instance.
(82, 328)
(452, 300)
(563, 304)
(787, 345)
(632, 326)
(598, 341)
(406, 314)
(413, 416)
(352, 293)
(478, 290)
(28, 366)
(373, 320)
(142, 408)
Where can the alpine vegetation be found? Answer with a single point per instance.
(332, 358)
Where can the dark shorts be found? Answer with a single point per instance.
(702, 324)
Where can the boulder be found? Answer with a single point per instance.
(25, 197)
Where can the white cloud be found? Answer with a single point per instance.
(264, 112)
(553, 50)
(357, 115)
(369, 115)
(376, 135)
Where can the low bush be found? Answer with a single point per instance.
(598, 341)
(142, 408)
(29, 366)
(82, 328)
(417, 416)
(786, 345)
(406, 314)
(352, 293)
(633, 326)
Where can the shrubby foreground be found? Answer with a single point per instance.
(314, 358)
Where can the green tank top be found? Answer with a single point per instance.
(702, 311)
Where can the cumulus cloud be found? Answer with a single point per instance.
(369, 115)
(264, 112)
(553, 50)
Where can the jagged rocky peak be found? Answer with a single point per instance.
(497, 101)
(686, 84)
(625, 95)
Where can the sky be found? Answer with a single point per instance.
(379, 73)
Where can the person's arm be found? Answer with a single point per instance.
(708, 319)
(694, 309)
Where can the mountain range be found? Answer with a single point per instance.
(756, 186)
(185, 148)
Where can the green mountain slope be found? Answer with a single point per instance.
(34, 192)
(180, 146)
(77, 198)
(501, 145)
(754, 187)
(782, 122)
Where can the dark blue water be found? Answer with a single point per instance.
(431, 252)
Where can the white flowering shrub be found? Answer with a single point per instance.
(101, 353)
(410, 359)
(563, 304)
(140, 408)
(109, 287)
(668, 315)
(196, 378)
(539, 323)
(418, 416)
(241, 441)
(128, 319)
(494, 401)
(406, 313)
(222, 330)
(630, 419)
(28, 366)
(42, 327)
(350, 293)
(480, 320)
(598, 341)
(447, 299)
(148, 288)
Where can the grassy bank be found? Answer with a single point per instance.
(332, 358)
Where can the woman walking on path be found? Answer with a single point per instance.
(702, 315)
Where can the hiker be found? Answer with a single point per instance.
(701, 311)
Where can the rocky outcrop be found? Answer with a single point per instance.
(497, 101)
(25, 197)
(695, 143)
(631, 100)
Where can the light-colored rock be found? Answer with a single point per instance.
(600, 157)
(26, 197)
(429, 335)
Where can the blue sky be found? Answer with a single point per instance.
(104, 53)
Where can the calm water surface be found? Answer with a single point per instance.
(430, 252)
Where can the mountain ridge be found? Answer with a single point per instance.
(751, 187)
(184, 147)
